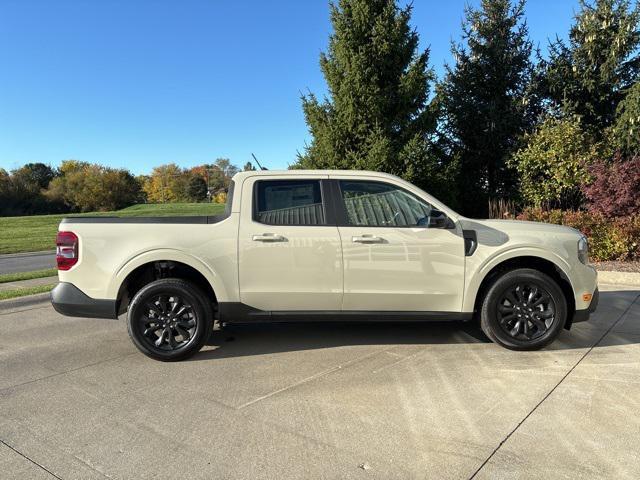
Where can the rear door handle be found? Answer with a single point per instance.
(367, 239)
(268, 237)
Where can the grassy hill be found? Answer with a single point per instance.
(38, 232)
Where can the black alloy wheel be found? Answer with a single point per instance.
(169, 319)
(523, 309)
(169, 322)
(526, 311)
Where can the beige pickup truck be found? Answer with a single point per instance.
(323, 245)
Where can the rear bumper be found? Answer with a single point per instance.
(583, 315)
(69, 300)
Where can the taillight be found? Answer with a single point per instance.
(66, 250)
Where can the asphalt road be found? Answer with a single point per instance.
(27, 262)
(320, 401)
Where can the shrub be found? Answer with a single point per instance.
(220, 197)
(615, 188)
(609, 239)
(552, 166)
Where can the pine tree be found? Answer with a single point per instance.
(486, 102)
(626, 129)
(377, 116)
(590, 76)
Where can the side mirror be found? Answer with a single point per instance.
(437, 219)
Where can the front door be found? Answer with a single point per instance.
(393, 260)
(289, 257)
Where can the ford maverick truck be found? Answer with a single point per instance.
(323, 245)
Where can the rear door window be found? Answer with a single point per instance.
(289, 202)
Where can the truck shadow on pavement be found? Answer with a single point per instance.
(239, 340)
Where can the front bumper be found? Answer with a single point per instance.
(69, 300)
(583, 315)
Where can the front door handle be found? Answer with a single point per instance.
(268, 237)
(367, 239)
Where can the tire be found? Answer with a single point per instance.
(527, 302)
(176, 316)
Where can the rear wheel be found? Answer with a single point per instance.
(523, 309)
(169, 319)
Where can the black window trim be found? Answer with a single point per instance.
(342, 220)
(326, 199)
(228, 208)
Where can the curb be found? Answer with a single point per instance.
(25, 301)
(630, 279)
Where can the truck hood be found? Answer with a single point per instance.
(508, 226)
(498, 232)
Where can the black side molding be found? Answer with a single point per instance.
(470, 242)
(237, 312)
(69, 300)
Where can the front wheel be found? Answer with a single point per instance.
(523, 309)
(169, 319)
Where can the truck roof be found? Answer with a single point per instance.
(297, 173)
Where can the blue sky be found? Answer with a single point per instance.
(137, 84)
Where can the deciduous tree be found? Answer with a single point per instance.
(165, 184)
(554, 164)
(89, 187)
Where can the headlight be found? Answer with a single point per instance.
(583, 250)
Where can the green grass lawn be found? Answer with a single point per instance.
(16, 277)
(38, 232)
(22, 292)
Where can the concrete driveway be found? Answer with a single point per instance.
(321, 401)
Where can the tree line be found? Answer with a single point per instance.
(508, 124)
(76, 186)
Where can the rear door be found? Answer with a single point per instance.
(392, 260)
(290, 254)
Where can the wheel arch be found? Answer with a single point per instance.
(484, 279)
(150, 266)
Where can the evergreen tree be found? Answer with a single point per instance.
(377, 116)
(591, 75)
(196, 189)
(486, 102)
(626, 129)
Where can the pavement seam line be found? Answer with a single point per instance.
(309, 379)
(29, 459)
(57, 374)
(505, 439)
